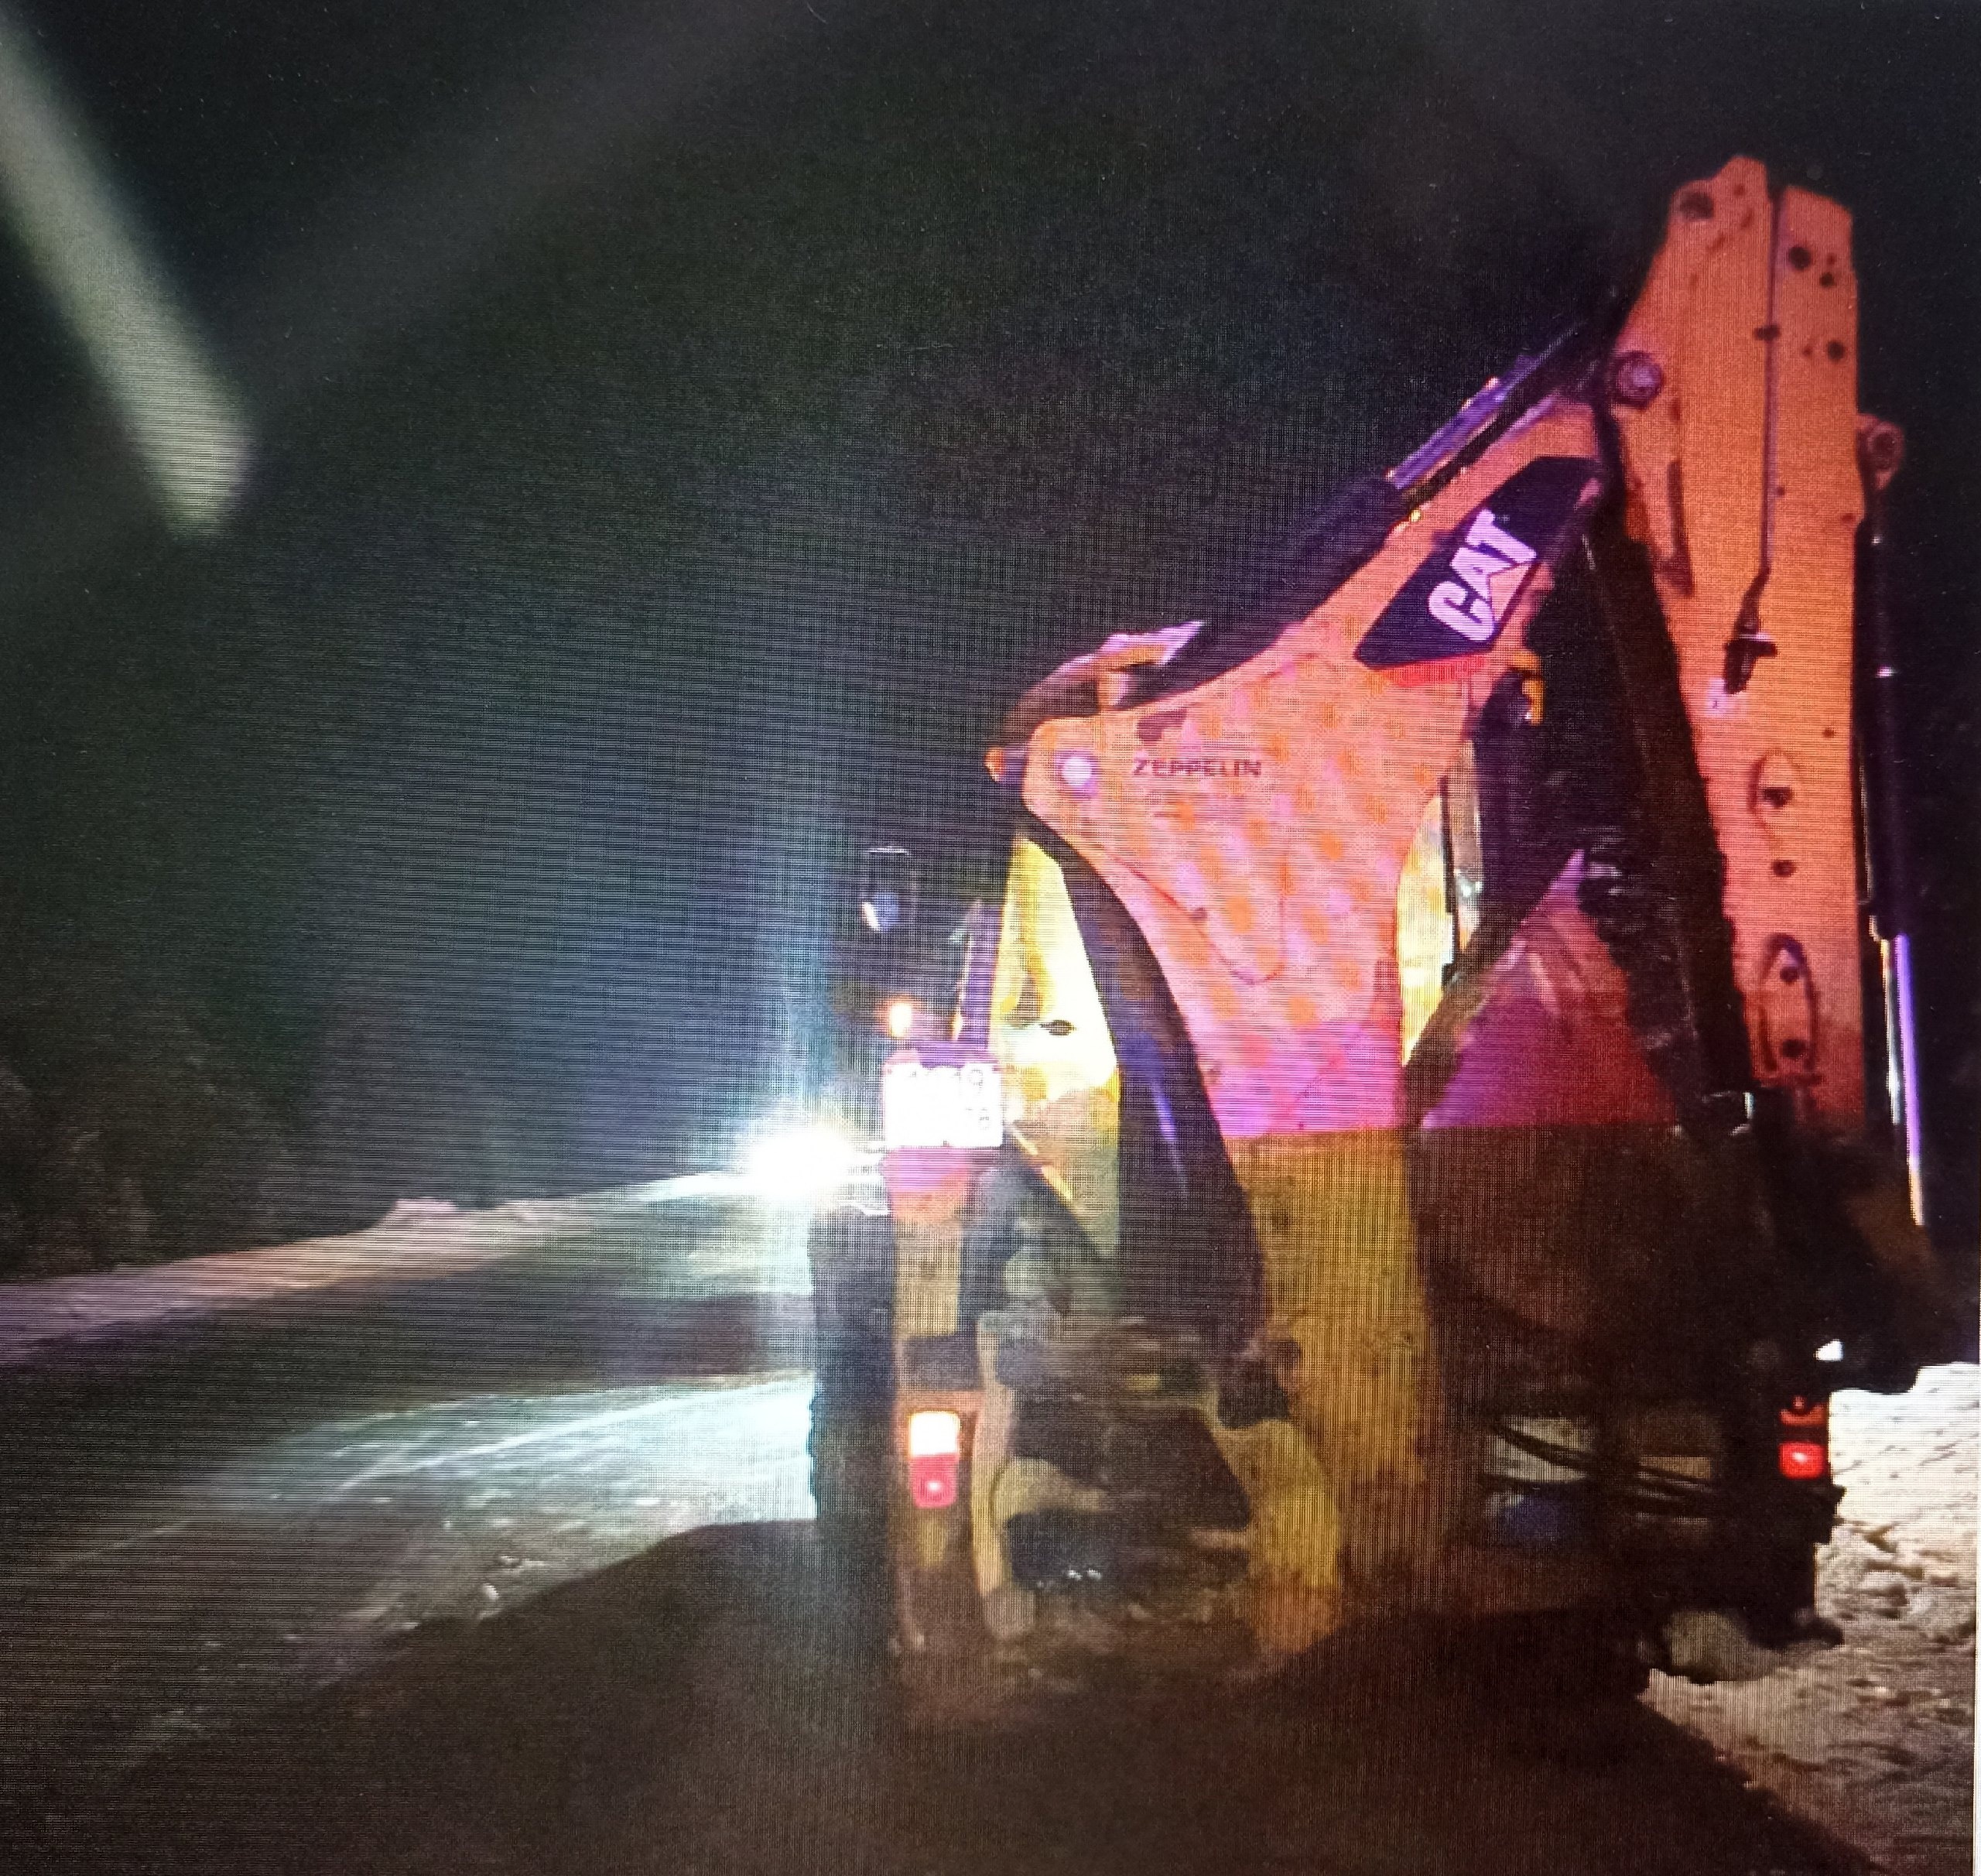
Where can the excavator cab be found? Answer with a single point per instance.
(1407, 1146)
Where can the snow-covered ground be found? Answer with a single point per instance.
(198, 1605)
(1875, 1739)
(422, 1237)
(237, 1478)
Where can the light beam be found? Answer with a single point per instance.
(182, 417)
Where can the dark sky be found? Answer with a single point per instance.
(681, 428)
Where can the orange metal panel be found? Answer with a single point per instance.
(1742, 478)
(1256, 827)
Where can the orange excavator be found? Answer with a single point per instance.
(1431, 1120)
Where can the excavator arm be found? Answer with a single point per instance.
(1597, 634)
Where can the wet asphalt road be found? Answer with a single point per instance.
(512, 1570)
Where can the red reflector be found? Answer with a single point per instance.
(1799, 1413)
(1803, 1458)
(932, 1480)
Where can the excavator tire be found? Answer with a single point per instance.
(1562, 1660)
(852, 1256)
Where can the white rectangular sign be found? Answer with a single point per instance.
(941, 1104)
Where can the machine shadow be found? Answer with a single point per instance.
(720, 1703)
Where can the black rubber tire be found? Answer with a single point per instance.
(1562, 1659)
(852, 1256)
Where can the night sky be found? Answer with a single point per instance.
(680, 430)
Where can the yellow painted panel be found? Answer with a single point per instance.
(1346, 1311)
(1062, 1087)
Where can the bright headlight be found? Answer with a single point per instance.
(800, 1162)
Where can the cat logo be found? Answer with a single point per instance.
(1492, 566)
(1460, 596)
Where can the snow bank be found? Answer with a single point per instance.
(420, 1237)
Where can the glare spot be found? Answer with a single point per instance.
(801, 1163)
(182, 420)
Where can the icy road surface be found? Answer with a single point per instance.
(483, 1543)
(224, 1490)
